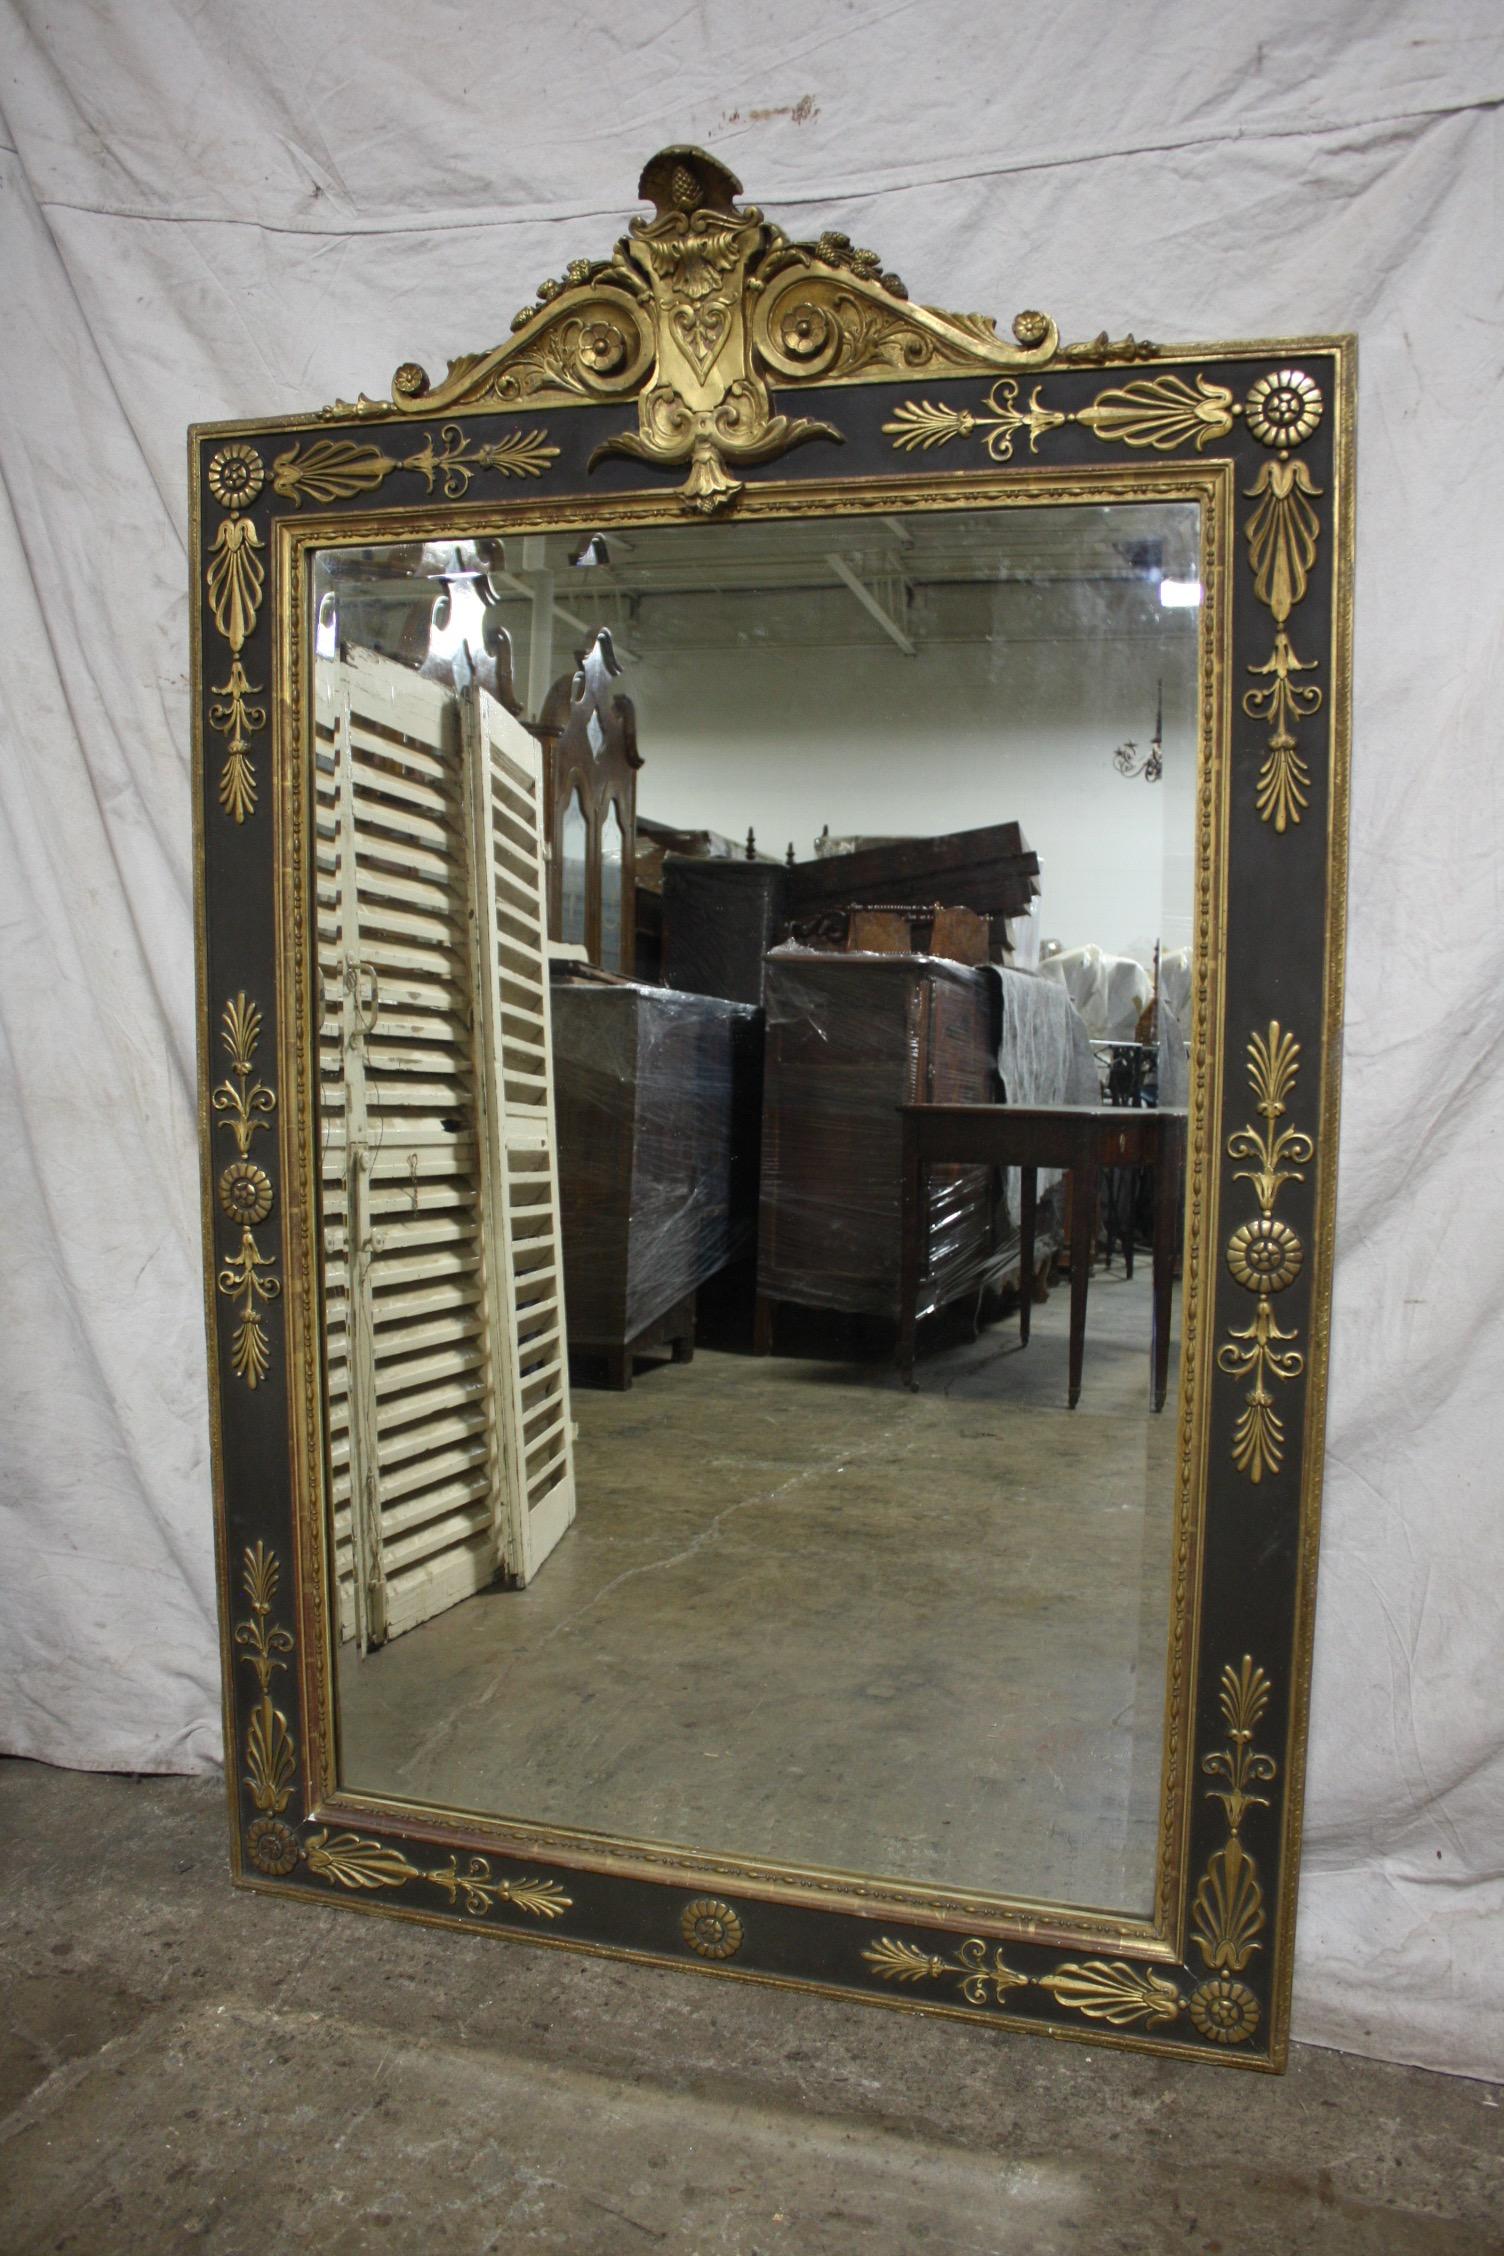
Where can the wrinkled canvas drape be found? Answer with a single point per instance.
(216, 211)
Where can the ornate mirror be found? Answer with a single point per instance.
(770, 970)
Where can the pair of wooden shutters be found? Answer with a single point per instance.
(451, 1456)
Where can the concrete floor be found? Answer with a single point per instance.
(190, 2067)
(805, 1614)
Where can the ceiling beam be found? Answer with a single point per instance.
(529, 587)
(869, 602)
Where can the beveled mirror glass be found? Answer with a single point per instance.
(770, 972)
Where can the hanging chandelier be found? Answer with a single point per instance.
(1151, 764)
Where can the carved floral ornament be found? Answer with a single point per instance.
(711, 1928)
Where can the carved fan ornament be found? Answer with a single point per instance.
(696, 313)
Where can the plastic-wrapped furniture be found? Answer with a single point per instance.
(849, 1039)
(657, 1108)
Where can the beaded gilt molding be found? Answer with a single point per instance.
(711, 368)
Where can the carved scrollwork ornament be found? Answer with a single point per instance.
(233, 716)
(698, 311)
(1284, 781)
(978, 1979)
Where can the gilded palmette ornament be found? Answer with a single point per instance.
(1283, 534)
(1265, 1255)
(1260, 1351)
(236, 578)
(243, 1100)
(241, 1279)
(1161, 412)
(1110, 1990)
(1243, 1696)
(337, 469)
(478, 1889)
(329, 470)
(351, 1862)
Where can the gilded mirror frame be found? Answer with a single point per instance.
(709, 366)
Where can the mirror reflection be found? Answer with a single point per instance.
(755, 965)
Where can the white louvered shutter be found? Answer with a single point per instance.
(519, 1150)
(416, 1460)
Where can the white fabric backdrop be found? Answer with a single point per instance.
(223, 211)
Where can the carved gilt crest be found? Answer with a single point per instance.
(696, 315)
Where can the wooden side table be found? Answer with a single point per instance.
(1081, 1140)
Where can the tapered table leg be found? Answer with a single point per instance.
(1167, 1194)
(1083, 1240)
(1028, 1204)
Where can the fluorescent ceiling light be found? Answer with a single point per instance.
(1180, 595)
